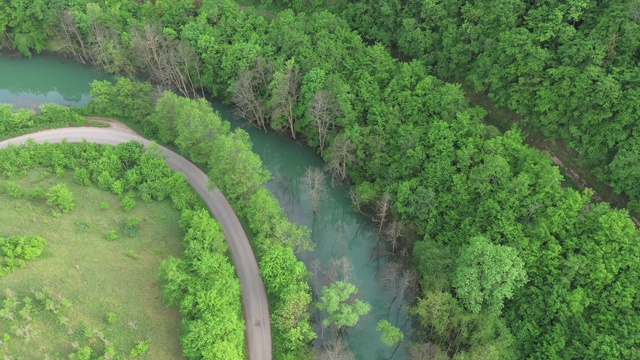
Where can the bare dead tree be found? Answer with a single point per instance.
(66, 31)
(340, 156)
(106, 48)
(392, 233)
(325, 112)
(383, 206)
(336, 351)
(284, 97)
(169, 62)
(339, 270)
(314, 180)
(316, 267)
(390, 276)
(249, 93)
(427, 351)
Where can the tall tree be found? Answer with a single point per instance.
(325, 112)
(314, 181)
(340, 156)
(285, 89)
(249, 93)
(169, 62)
(486, 274)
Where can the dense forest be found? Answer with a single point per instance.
(510, 263)
(570, 67)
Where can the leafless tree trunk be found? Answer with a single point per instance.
(314, 180)
(383, 207)
(249, 93)
(66, 30)
(286, 90)
(336, 351)
(169, 62)
(106, 48)
(392, 233)
(389, 276)
(427, 351)
(325, 111)
(339, 270)
(340, 155)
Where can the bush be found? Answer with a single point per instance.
(112, 318)
(128, 203)
(60, 197)
(134, 255)
(141, 348)
(112, 235)
(57, 115)
(16, 250)
(14, 190)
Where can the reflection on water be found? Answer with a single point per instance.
(29, 83)
(344, 238)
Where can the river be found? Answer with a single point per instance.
(338, 231)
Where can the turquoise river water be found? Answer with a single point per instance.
(338, 230)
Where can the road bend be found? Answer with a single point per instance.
(254, 296)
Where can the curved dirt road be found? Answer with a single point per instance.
(254, 296)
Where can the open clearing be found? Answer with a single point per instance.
(96, 275)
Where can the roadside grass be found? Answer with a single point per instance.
(112, 295)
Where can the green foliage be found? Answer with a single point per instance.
(144, 172)
(24, 25)
(15, 251)
(112, 318)
(571, 67)
(132, 222)
(60, 198)
(343, 311)
(391, 335)
(14, 122)
(13, 189)
(204, 285)
(54, 115)
(289, 296)
(140, 349)
(486, 274)
(112, 235)
(128, 203)
(127, 99)
(134, 255)
(83, 353)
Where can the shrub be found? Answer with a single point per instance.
(16, 250)
(14, 190)
(132, 222)
(141, 348)
(112, 318)
(82, 176)
(134, 255)
(112, 235)
(60, 197)
(128, 203)
(38, 193)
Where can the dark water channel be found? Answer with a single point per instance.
(338, 231)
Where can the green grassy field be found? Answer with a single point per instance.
(86, 276)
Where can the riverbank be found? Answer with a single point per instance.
(577, 174)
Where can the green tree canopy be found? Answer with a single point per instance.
(486, 274)
(338, 301)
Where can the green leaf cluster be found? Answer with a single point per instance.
(15, 251)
